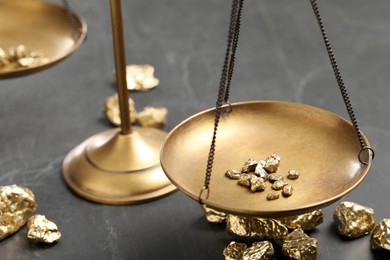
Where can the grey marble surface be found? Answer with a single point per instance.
(280, 57)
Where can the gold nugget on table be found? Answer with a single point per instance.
(259, 251)
(111, 109)
(380, 238)
(213, 215)
(42, 230)
(234, 251)
(353, 220)
(297, 245)
(307, 221)
(155, 117)
(16, 205)
(140, 77)
(265, 228)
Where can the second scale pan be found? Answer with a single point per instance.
(39, 26)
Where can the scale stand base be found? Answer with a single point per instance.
(112, 168)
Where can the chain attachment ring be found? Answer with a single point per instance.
(200, 199)
(364, 149)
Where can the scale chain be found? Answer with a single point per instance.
(224, 86)
(71, 18)
(340, 82)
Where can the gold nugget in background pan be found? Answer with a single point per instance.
(42, 230)
(380, 238)
(140, 77)
(19, 56)
(353, 220)
(16, 205)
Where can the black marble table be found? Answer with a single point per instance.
(280, 57)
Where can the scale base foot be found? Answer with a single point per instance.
(117, 169)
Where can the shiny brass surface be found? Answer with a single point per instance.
(118, 169)
(306, 137)
(353, 220)
(40, 26)
(16, 205)
(42, 230)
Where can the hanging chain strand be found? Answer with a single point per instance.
(340, 81)
(233, 53)
(227, 70)
(71, 18)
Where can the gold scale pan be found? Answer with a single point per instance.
(321, 145)
(54, 30)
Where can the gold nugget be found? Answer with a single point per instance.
(259, 251)
(257, 183)
(111, 109)
(233, 174)
(275, 177)
(213, 215)
(278, 185)
(155, 117)
(287, 190)
(42, 230)
(16, 205)
(249, 166)
(353, 220)
(293, 174)
(234, 251)
(140, 77)
(273, 196)
(307, 221)
(380, 238)
(245, 179)
(272, 163)
(264, 228)
(298, 245)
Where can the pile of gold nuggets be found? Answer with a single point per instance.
(255, 175)
(19, 56)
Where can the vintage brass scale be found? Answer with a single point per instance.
(56, 31)
(332, 154)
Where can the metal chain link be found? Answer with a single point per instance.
(72, 19)
(340, 81)
(227, 71)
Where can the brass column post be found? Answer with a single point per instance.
(120, 65)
